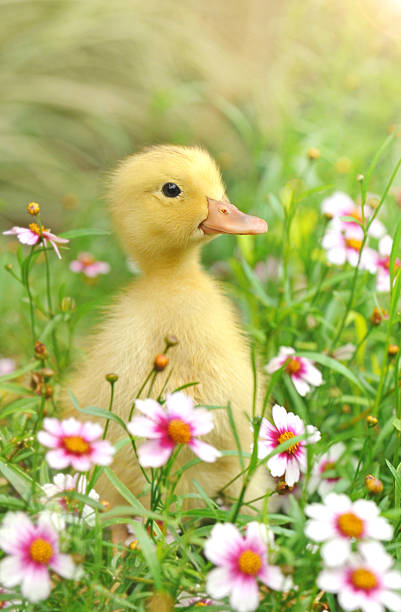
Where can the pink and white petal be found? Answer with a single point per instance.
(379, 528)
(354, 600)
(277, 465)
(205, 451)
(319, 531)
(377, 229)
(224, 542)
(292, 472)
(335, 552)
(314, 434)
(301, 458)
(53, 426)
(280, 416)
(71, 427)
(180, 404)
(51, 236)
(58, 459)
(336, 255)
(331, 581)
(81, 463)
(259, 534)
(274, 364)
(91, 431)
(369, 260)
(338, 503)
(218, 583)
(101, 458)
(244, 595)
(151, 409)
(25, 236)
(391, 600)
(338, 204)
(201, 421)
(63, 565)
(267, 430)
(143, 428)
(311, 374)
(382, 281)
(76, 266)
(372, 550)
(385, 246)
(295, 424)
(286, 351)
(392, 579)
(273, 577)
(46, 529)
(54, 245)
(47, 439)
(300, 385)
(12, 571)
(102, 267)
(320, 512)
(264, 448)
(15, 529)
(155, 453)
(36, 583)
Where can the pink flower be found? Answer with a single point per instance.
(327, 463)
(383, 264)
(7, 366)
(180, 424)
(291, 462)
(75, 443)
(338, 522)
(341, 205)
(345, 245)
(241, 561)
(74, 509)
(366, 582)
(34, 233)
(32, 550)
(302, 371)
(88, 265)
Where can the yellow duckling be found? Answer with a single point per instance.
(168, 201)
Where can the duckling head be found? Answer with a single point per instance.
(168, 200)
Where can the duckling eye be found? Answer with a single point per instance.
(171, 190)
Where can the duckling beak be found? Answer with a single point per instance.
(225, 218)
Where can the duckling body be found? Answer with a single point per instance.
(173, 296)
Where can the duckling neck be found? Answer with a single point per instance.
(174, 264)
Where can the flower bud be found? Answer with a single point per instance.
(133, 545)
(161, 602)
(171, 340)
(8, 267)
(282, 488)
(360, 178)
(371, 420)
(112, 378)
(378, 315)
(313, 153)
(47, 373)
(40, 350)
(392, 350)
(33, 208)
(105, 505)
(160, 362)
(373, 485)
(67, 304)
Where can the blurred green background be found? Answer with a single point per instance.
(84, 83)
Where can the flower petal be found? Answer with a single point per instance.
(63, 565)
(154, 453)
(335, 552)
(218, 582)
(143, 428)
(11, 571)
(277, 465)
(58, 459)
(205, 451)
(244, 593)
(292, 472)
(223, 543)
(36, 583)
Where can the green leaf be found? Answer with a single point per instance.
(395, 250)
(259, 292)
(19, 372)
(104, 414)
(81, 233)
(21, 482)
(22, 404)
(126, 493)
(333, 364)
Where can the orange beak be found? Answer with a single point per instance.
(225, 218)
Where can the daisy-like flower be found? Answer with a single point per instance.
(181, 423)
(338, 522)
(303, 373)
(341, 205)
(344, 245)
(55, 497)
(383, 264)
(241, 562)
(366, 582)
(32, 550)
(326, 463)
(35, 233)
(75, 443)
(88, 265)
(291, 462)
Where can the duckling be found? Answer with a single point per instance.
(167, 202)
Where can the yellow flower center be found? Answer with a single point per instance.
(293, 366)
(249, 562)
(350, 525)
(36, 229)
(41, 551)
(356, 215)
(200, 604)
(179, 431)
(287, 435)
(75, 444)
(329, 465)
(363, 579)
(87, 260)
(353, 243)
(33, 208)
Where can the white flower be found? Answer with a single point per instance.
(383, 264)
(366, 582)
(338, 522)
(345, 245)
(303, 373)
(73, 509)
(341, 205)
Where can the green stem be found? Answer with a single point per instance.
(106, 427)
(28, 290)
